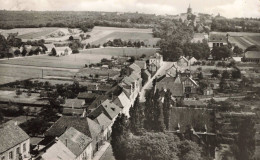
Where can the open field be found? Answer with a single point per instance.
(100, 35)
(46, 33)
(121, 51)
(242, 39)
(12, 73)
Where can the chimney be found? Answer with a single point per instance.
(66, 142)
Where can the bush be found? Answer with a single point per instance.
(74, 51)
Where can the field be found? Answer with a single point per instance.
(242, 39)
(66, 66)
(42, 33)
(100, 35)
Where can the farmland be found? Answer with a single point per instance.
(100, 35)
(50, 33)
(242, 39)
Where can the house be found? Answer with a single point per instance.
(174, 85)
(73, 107)
(235, 59)
(133, 83)
(98, 88)
(49, 47)
(109, 108)
(62, 51)
(84, 125)
(78, 143)
(182, 61)
(155, 61)
(123, 102)
(133, 68)
(88, 97)
(106, 125)
(208, 91)
(77, 38)
(141, 64)
(14, 142)
(27, 48)
(13, 49)
(252, 56)
(192, 60)
(190, 87)
(217, 40)
(58, 151)
(172, 72)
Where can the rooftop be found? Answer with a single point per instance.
(252, 54)
(75, 141)
(10, 136)
(74, 103)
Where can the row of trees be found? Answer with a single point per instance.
(122, 43)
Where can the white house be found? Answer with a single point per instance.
(192, 60)
(217, 40)
(14, 142)
(49, 47)
(63, 51)
(155, 60)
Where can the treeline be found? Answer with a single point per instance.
(235, 25)
(175, 41)
(83, 20)
(18, 47)
(122, 43)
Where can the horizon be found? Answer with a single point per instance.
(230, 9)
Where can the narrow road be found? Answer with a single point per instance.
(148, 85)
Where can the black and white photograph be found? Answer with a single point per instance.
(129, 79)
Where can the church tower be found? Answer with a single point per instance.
(189, 10)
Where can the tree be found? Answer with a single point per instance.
(136, 117)
(1, 116)
(200, 76)
(18, 92)
(225, 75)
(221, 52)
(244, 148)
(237, 50)
(189, 150)
(214, 73)
(166, 108)
(17, 52)
(24, 52)
(119, 137)
(236, 74)
(53, 52)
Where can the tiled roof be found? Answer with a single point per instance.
(252, 54)
(72, 111)
(195, 117)
(122, 101)
(173, 84)
(98, 87)
(86, 95)
(135, 76)
(108, 108)
(49, 46)
(82, 124)
(74, 103)
(103, 120)
(58, 151)
(75, 141)
(141, 64)
(135, 67)
(100, 99)
(217, 38)
(10, 136)
(128, 80)
(182, 57)
(62, 49)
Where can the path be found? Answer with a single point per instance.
(148, 85)
(101, 151)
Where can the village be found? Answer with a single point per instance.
(63, 91)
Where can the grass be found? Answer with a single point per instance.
(100, 35)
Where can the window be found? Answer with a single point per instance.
(11, 155)
(24, 147)
(18, 150)
(187, 89)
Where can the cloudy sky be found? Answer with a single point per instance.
(228, 8)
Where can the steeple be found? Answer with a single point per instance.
(189, 10)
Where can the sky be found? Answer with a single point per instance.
(227, 8)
